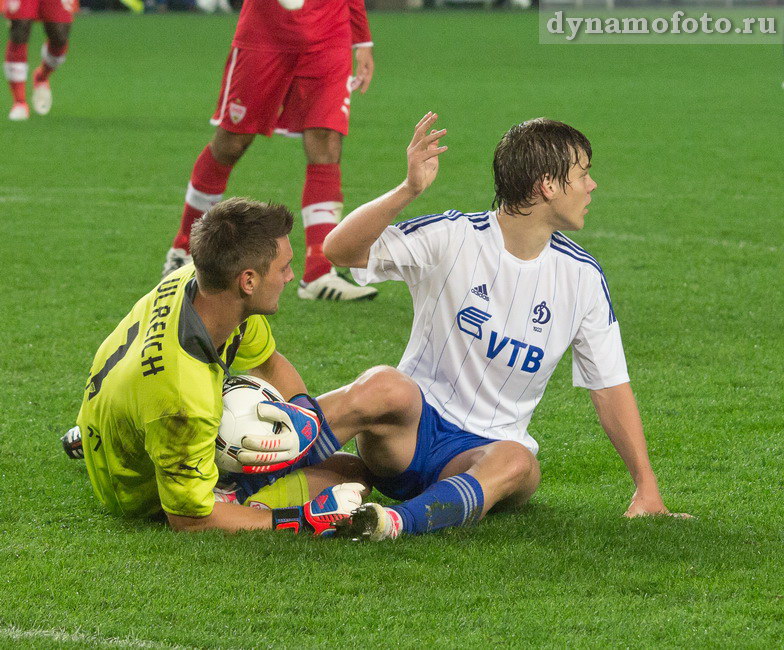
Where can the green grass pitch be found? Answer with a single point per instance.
(688, 154)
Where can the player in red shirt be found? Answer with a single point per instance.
(289, 71)
(57, 16)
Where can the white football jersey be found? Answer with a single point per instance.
(489, 328)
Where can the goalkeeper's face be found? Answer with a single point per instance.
(279, 274)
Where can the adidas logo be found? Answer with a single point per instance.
(481, 291)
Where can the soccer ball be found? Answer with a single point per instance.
(241, 394)
(214, 6)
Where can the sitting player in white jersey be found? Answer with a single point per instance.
(499, 296)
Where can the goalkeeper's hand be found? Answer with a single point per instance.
(319, 515)
(295, 431)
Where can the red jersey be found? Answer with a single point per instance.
(265, 25)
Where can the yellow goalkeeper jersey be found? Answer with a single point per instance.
(152, 404)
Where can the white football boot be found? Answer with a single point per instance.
(42, 98)
(370, 522)
(175, 258)
(333, 286)
(19, 112)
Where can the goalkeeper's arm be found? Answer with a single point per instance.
(316, 517)
(230, 517)
(282, 374)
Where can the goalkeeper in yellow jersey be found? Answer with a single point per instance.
(152, 404)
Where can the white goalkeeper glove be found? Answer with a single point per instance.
(296, 430)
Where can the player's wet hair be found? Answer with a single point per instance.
(527, 153)
(234, 235)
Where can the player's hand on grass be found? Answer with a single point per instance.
(423, 154)
(646, 504)
(363, 69)
(296, 430)
(331, 505)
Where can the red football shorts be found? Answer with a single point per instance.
(285, 91)
(48, 11)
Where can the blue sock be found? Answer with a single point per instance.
(455, 501)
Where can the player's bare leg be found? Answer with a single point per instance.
(208, 182)
(52, 57)
(339, 468)
(382, 409)
(501, 475)
(228, 147)
(322, 208)
(507, 471)
(15, 68)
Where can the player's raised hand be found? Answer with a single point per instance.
(422, 154)
(645, 505)
(363, 69)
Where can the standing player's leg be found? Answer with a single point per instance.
(15, 67)
(207, 184)
(322, 196)
(322, 208)
(254, 85)
(317, 106)
(52, 57)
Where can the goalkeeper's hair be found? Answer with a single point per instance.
(528, 153)
(234, 235)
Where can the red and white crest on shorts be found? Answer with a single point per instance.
(69, 5)
(236, 111)
(13, 6)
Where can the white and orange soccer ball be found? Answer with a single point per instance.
(241, 396)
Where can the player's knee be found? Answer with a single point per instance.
(227, 148)
(520, 467)
(384, 393)
(322, 146)
(20, 31)
(57, 33)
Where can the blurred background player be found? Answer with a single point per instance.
(56, 16)
(288, 72)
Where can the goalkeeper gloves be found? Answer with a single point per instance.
(296, 429)
(319, 515)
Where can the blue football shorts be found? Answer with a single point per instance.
(438, 442)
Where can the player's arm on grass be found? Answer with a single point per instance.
(282, 374)
(620, 418)
(350, 242)
(230, 517)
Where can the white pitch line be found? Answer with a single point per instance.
(14, 633)
(661, 239)
(99, 204)
(17, 195)
(89, 190)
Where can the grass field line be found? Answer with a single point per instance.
(79, 189)
(664, 239)
(14, 633)
(18, 195)
(96, 204)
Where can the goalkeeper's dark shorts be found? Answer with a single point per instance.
(438, 442)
